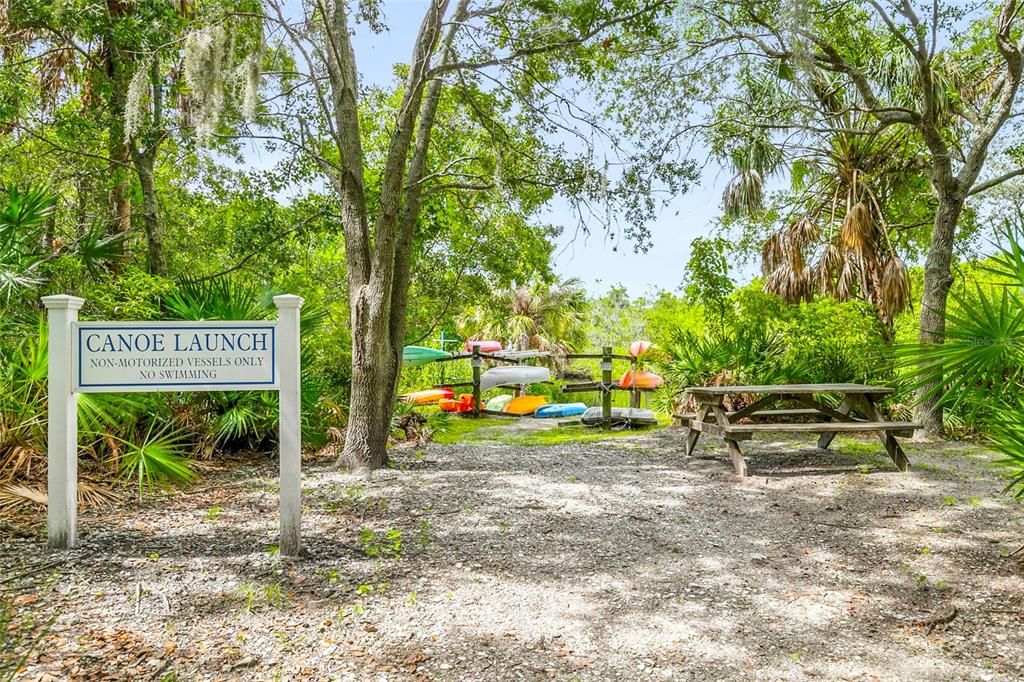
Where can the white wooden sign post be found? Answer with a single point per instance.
(119, 357)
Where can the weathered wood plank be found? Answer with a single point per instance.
(693, 434)
(761, 414)
(789, 389)
(753, 407)
(594, 386)
(735, 432)
(824, 427)
(827, 437)
(892, 447)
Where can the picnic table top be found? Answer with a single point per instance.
(790, 389)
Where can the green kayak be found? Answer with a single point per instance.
(418, 355)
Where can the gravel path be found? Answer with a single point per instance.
(609, 560)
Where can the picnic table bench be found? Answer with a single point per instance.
(857, 412)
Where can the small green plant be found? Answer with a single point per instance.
(925, 550)
(974, 501)
(380, 544)
(254, 597)
(333, 577)
(213, 513)
(273, 595)
(949, 501)
(423, 534)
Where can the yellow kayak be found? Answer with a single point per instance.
(526, 404)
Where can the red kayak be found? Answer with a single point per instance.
(484, 346)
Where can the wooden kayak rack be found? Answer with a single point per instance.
(605, 386)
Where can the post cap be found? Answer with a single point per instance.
(63, 302)
(288, 301)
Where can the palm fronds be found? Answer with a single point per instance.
(981, 361)
(160, 457)
(744, 195)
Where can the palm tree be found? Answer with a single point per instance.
(851, 183)
(537, 317)
(979, 369)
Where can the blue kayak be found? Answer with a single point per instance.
(560, 410)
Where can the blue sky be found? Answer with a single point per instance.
(592, 258)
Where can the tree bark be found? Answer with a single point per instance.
(144, 167)
(378, 274)
(374, 375)
(938, 279)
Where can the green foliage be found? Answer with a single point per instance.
(761, 340)
(28, 240)
(220, 298)
(707, 275)
(159, 457)
(387, 543)
(979, 371)
(541, 317)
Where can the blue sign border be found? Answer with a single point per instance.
(272, 384)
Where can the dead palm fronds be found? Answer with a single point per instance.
(858, 234)
(894, 289)
(18, 460)
(16, 495)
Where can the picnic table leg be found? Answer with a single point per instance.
(892, 446)
(825, 439)
(736, 455)
(692, 434)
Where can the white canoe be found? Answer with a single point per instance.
(513, 375)
(629, 416)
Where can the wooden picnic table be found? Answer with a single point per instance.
(857, 412)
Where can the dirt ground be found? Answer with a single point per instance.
(609, 560)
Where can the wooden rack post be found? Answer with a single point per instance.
(606, 382)
(476, 362)
(634, 394)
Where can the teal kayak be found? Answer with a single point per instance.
(418, 355)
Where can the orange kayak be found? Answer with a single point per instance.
(429, 396)
(640, 379)
(526, 404)
(464, 403)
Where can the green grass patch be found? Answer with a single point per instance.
(463, 429)
(566, 435)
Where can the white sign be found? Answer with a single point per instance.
(171, 356)
(118, 357)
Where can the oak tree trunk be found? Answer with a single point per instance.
(938, 279)
(375, 363)
(155, 258)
